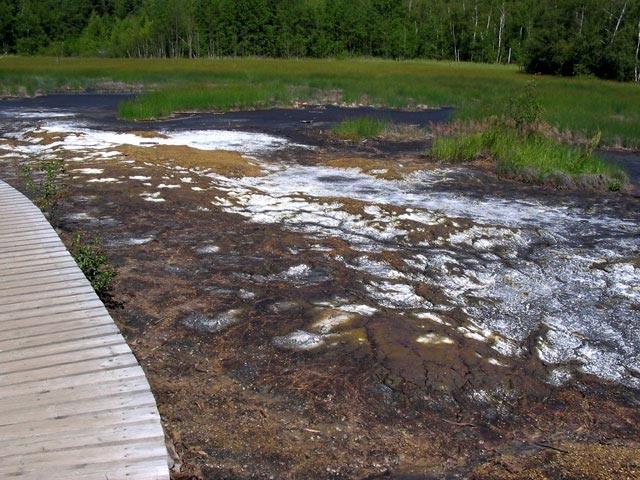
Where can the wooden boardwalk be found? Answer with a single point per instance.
(74, 402)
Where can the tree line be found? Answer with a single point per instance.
(565, 37)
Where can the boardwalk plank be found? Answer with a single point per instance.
(61, 352)
(53, 317)
(92, 377)
(46, 337)
(70, 394)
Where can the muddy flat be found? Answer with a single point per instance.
(306, 308)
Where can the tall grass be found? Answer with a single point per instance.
(581, 105)
(223, 97)
(531, 157)
(358, 128)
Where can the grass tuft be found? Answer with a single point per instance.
(360, 128)
(531, 157)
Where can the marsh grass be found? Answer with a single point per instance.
(367, 128)
(580, 105)
(360, 128)
(532, 157)
(218, 97)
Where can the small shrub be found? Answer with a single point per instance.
(356, 129)
(45, 185)
(92, 260)
(524, 109)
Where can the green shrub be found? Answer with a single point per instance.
(524, 109)
(45, 185)
(92, 260)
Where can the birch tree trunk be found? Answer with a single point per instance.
(638, 55)
(503, 18)
(475, 25)
(615, 31)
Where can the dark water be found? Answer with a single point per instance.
(100, 110)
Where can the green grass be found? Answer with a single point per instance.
(531, 157)
(359, 128)
(221, 97)
(581, 105)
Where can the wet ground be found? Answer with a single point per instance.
(310, 309)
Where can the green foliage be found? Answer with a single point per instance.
(531, 157)
(359, 128)
(93, 262)
(584, 38)
(45, 185)
(524, 109)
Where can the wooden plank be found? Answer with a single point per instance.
(71, 305)
(15, 261)
(25, 224)
(93, 377)
(82, 457)
(39, 266)
(70, 394)
(51, 321)
(18, 376)
(40, 278)
(37, 243)
(129, 399)
(19, 218)
(17, 251)
(111, 418)
(33, 233)
(38, 303)
(147, 469)
(62, 352)
(71, 288)
(80, 438)
(36, 285)
(45, 337)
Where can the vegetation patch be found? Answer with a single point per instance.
(367, 127)
(188, 98)
(45, 184)
(532, 158)
(92, 260)
(359, 128)
(223, 162)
